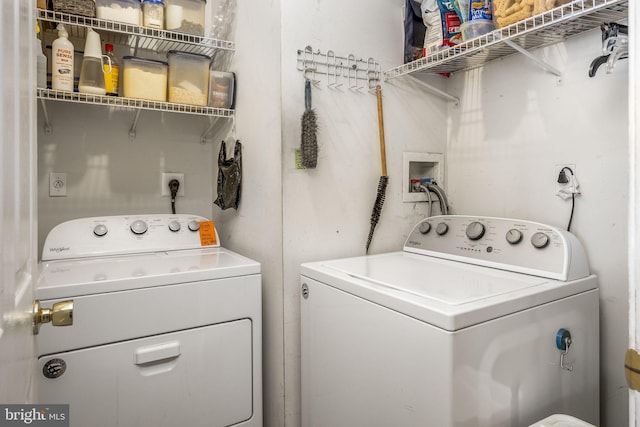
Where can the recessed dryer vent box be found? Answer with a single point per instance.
(420, 166)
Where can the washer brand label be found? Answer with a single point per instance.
(34, 415)
(59, 249)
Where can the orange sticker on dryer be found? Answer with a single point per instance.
(207, 233)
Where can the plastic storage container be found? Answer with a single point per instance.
(188, 78)
(75, 7)
(153, 14)
(126, 11)
(221, 87)
(507, 12)
(144, 78)
(476, 28)
(185, 16)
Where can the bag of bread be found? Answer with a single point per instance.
(443, 25)
(507, 12)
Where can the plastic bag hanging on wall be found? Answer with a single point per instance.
(229, 177)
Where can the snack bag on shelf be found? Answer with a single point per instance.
(480, 9)
(507, 12)
(443, 25)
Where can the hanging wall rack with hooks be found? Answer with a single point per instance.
(355, 74)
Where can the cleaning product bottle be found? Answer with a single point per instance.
(62, 61)
(111, 78)
(92, 71)
(41, 61)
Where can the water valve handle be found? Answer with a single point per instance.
(563, 342)
(563, 339)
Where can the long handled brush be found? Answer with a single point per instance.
(384, 179)
(309, 134)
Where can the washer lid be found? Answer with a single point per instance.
(560, 420)
(86, 276)
(447, 283)
(447, 294)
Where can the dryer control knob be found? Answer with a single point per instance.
(100, 230)
(475, 230)
(424, 227)
(139, 227)
(442, 228)
(539, 240)
(174, 226)
(194, 225)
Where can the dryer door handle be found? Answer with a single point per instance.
(157, 352)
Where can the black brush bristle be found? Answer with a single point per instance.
(309, 139)
(377, 207)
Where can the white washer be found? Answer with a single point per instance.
(167, 325)
(463, 328)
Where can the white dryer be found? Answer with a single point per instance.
(478, 322)
(167, 325)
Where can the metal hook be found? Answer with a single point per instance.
(312, 79)
(332, 77)
(373, 75)
(352, 73)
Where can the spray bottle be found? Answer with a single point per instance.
(41, 61)
(62, 61)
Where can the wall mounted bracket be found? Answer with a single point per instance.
(358, 74)
(436, 91)
(132, 130)
(538, 61)
(47, 124)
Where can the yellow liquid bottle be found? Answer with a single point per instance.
(111, 77)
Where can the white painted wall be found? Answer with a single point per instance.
(326, 211)
(255, 229)
(514, 124)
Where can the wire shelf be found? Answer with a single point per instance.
(540, 30)
(135, 36)
(132, 104)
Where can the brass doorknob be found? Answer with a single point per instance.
(60, 314)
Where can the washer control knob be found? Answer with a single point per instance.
(174, 226)
(100, 230)
(442, 228)
(475, 230)
(424, 227)
(539, 240)
(514, 236)
(139, 227)
(194, 225)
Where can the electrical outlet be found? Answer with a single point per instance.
(558, 185)
(166, 177)
(57, 184)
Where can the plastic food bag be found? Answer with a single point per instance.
(480, 9)
(414, 31)
(443, 25)
(229, 177)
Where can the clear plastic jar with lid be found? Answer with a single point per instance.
(153, 14)
(186, 16)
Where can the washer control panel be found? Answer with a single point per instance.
(128, 234)
(509, 244)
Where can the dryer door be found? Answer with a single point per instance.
(198, 377)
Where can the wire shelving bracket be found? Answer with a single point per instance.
(339, 71)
